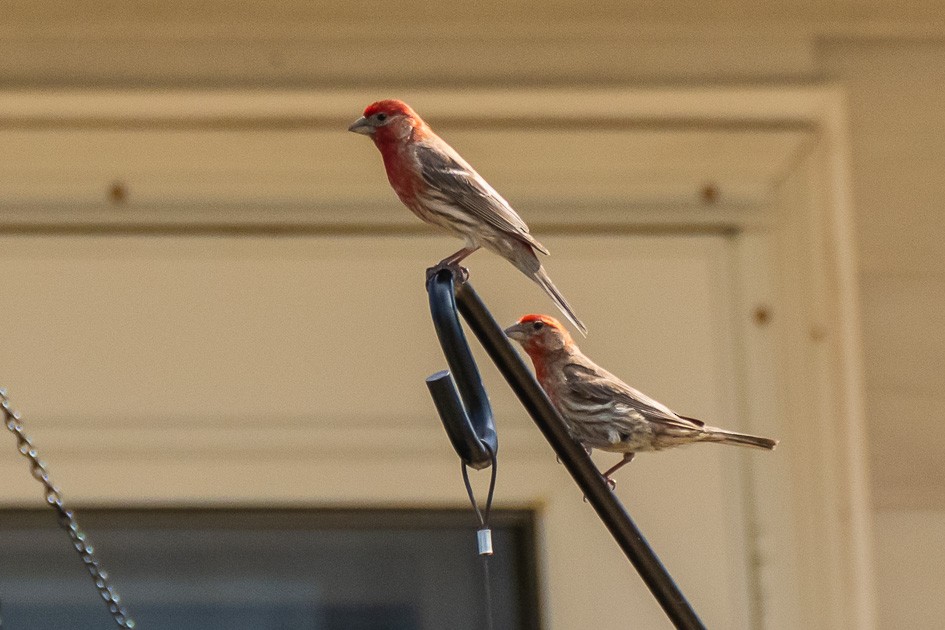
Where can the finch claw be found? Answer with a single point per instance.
(460, 273)
(610, 484)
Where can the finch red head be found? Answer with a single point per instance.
(442, 189)
(602, 411)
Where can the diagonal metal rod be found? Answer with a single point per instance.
(578, 463)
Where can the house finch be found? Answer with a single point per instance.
(602, 411)
(442, 189)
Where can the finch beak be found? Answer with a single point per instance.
(515, 332)
(362, 126)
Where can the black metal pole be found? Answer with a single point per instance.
(468, 422)
(576, 460)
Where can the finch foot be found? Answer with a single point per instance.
(460, 273)
(610, 484)
(627, 458)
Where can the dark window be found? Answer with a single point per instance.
(270, 569)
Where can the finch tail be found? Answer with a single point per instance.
(542, 279)
(741, 439)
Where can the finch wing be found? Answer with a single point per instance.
(454, 179)
(599, 386)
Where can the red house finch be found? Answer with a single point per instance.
(602, 411)
(442, 189)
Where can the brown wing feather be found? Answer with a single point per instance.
(449, 174)
(597, 385)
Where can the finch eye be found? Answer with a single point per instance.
(538, 325)
(381, 117)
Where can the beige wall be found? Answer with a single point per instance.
(890, 59)
(897, 99)
(912, 572)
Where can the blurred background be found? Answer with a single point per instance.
(215, 327)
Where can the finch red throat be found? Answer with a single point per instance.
(441, 188)
(602, 411)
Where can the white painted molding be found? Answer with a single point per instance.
(699, 107)
(853, 443)
(819, 170)
(283, 158)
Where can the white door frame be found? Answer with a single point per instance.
(797, 323)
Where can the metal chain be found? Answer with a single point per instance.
(67, 518)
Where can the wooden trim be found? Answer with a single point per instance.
(323, 229)
(840, 222)
(768, 108)
(301, 195)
